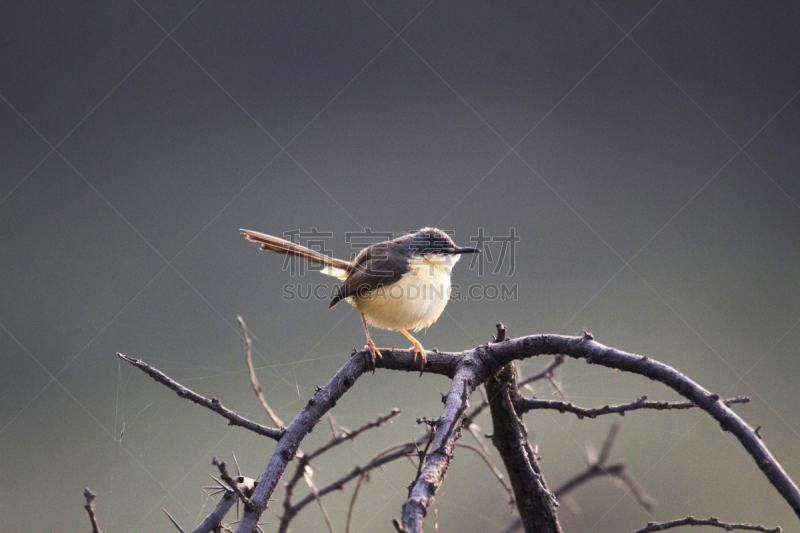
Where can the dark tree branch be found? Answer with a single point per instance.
(320, 403)
(545, 373)
(596, 468)
(691, 521)
(423, 490)
(523, 405)
(595, 353)
(90, 496)
(213, 403)
(536, 505)
(468, 370)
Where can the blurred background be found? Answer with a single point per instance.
(644, 155)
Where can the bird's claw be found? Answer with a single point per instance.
(373, 352)
(417, 348)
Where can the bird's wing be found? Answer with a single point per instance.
(334, 267)
(374, 267)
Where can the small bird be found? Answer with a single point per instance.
(400, 284)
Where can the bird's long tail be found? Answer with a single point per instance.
(333, 267)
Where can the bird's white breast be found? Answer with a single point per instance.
(415, 301)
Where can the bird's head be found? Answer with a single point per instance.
(434, 244)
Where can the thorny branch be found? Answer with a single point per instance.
(213, 522)
(592, 352)
(524, 405)
(468, 370)
(290, 511)
(213, 403)
(536, 504)
(233, 484)
(691, 521)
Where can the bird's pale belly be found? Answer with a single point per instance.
(414, 302)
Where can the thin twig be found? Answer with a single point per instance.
(473, 430)
(322, 508)
(248, 346)
(356, 472)
(345, 436)
(303, 462)
(608, 443)
(332, 424)
(545, 373)
(236, 462)
(529, 404)
(691, 521)
(597, 468)
(352, 506)
(213, 404)
(90, 496)
(492, 467)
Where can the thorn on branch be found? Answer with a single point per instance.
(223, 473)
(174, 522)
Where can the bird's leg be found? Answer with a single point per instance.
(373, 351)
(417, 348)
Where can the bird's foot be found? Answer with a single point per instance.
(373, 352)
(417, 348)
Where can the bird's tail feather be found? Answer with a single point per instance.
(334, 267)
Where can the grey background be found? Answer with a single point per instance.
(645, 153)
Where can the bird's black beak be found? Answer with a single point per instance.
(464, 251)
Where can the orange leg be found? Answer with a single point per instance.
(417, 348)
(373, 351)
